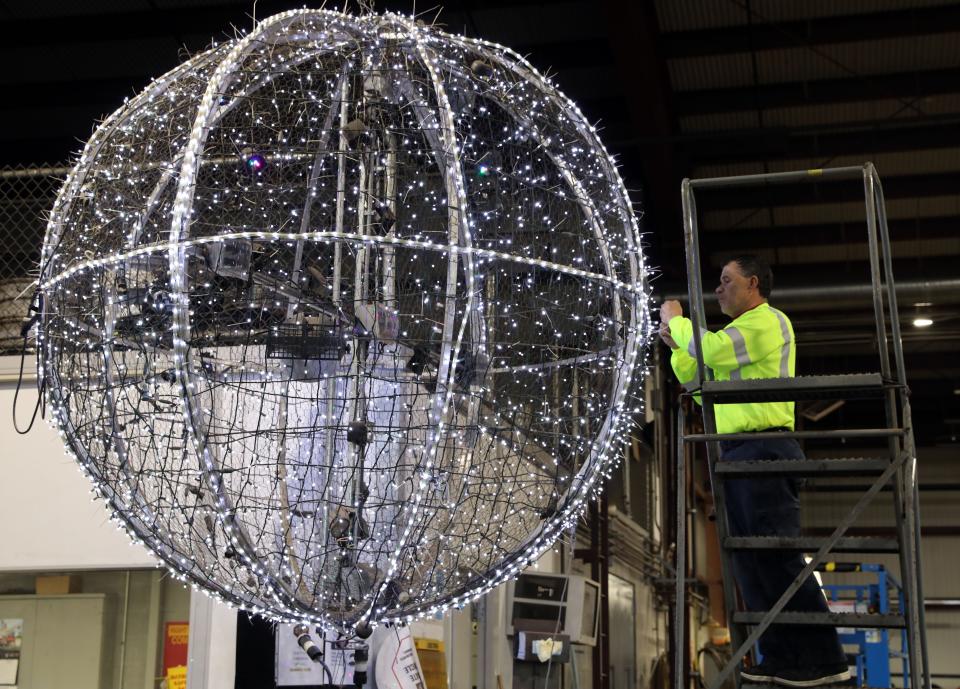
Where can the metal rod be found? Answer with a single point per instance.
(312, 182)
(679, 610)
(123, 629)
(908, 521)
(331, 392)
(852, 433)
(832, 295)
(931, 285)
(341, 188)
(901, 497)
(697, 315)
(694, 288)
(363, 208)
(571, 361)
(389, 253)
(921, 608)
(813, 175)
(876, 280)
(293, 313)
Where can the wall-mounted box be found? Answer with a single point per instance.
(570, 604)
(57, 585)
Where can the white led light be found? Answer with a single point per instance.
(345, 319)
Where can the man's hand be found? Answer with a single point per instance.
(665, 336)
(670, 309)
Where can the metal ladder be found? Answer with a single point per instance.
(897, 468)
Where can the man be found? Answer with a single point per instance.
(759, 343)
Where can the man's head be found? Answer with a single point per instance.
(745, 283)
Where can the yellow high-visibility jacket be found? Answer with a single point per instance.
(757, 344)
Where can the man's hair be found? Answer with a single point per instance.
(750, 265)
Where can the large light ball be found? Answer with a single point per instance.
(345, 318)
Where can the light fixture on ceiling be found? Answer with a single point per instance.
(921, 318)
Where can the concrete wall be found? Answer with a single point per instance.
(52, 524)
(46, 504)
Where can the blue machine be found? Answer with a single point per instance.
(873, 652)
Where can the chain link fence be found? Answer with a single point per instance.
(26, 197)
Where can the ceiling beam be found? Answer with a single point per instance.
(768, 35)
(818, 92)
(871, 137)
(905, 269)
(894, 187)
(940, 365)
(839, 232)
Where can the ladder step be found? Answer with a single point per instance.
(845, 685)
(779, 435)
(812, 544)
(846, 386)
(802, 467)
(828, 619)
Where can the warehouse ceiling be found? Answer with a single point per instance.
(679, 88)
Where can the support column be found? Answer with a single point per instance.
(458, 639)
(212, 650)
(495, 660)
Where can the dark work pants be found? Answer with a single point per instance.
(771, 507)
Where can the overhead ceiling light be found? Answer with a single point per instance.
(922, 322)
(920, 304)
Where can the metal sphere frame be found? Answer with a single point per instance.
(345, 319)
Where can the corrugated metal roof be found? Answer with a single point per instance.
(934, 160)
(721, 121)
(803, 63)
(842, 212)
(824, 114)
(843, 252)
(689, 15)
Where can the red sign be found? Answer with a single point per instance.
(175, 638)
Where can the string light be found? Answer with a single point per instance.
(345, 319)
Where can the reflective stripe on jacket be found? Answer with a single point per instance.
(757, 344)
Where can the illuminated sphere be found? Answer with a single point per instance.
(345, 319)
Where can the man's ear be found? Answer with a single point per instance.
(755, 282)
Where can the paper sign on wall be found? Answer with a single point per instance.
(11, 640)
(294, 668)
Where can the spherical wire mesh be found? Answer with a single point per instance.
(345, 318)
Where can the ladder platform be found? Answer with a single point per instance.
(848, 466)
(820, 435)
(842, 685)
(812, 544)
(827, 619)
(846, 386)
